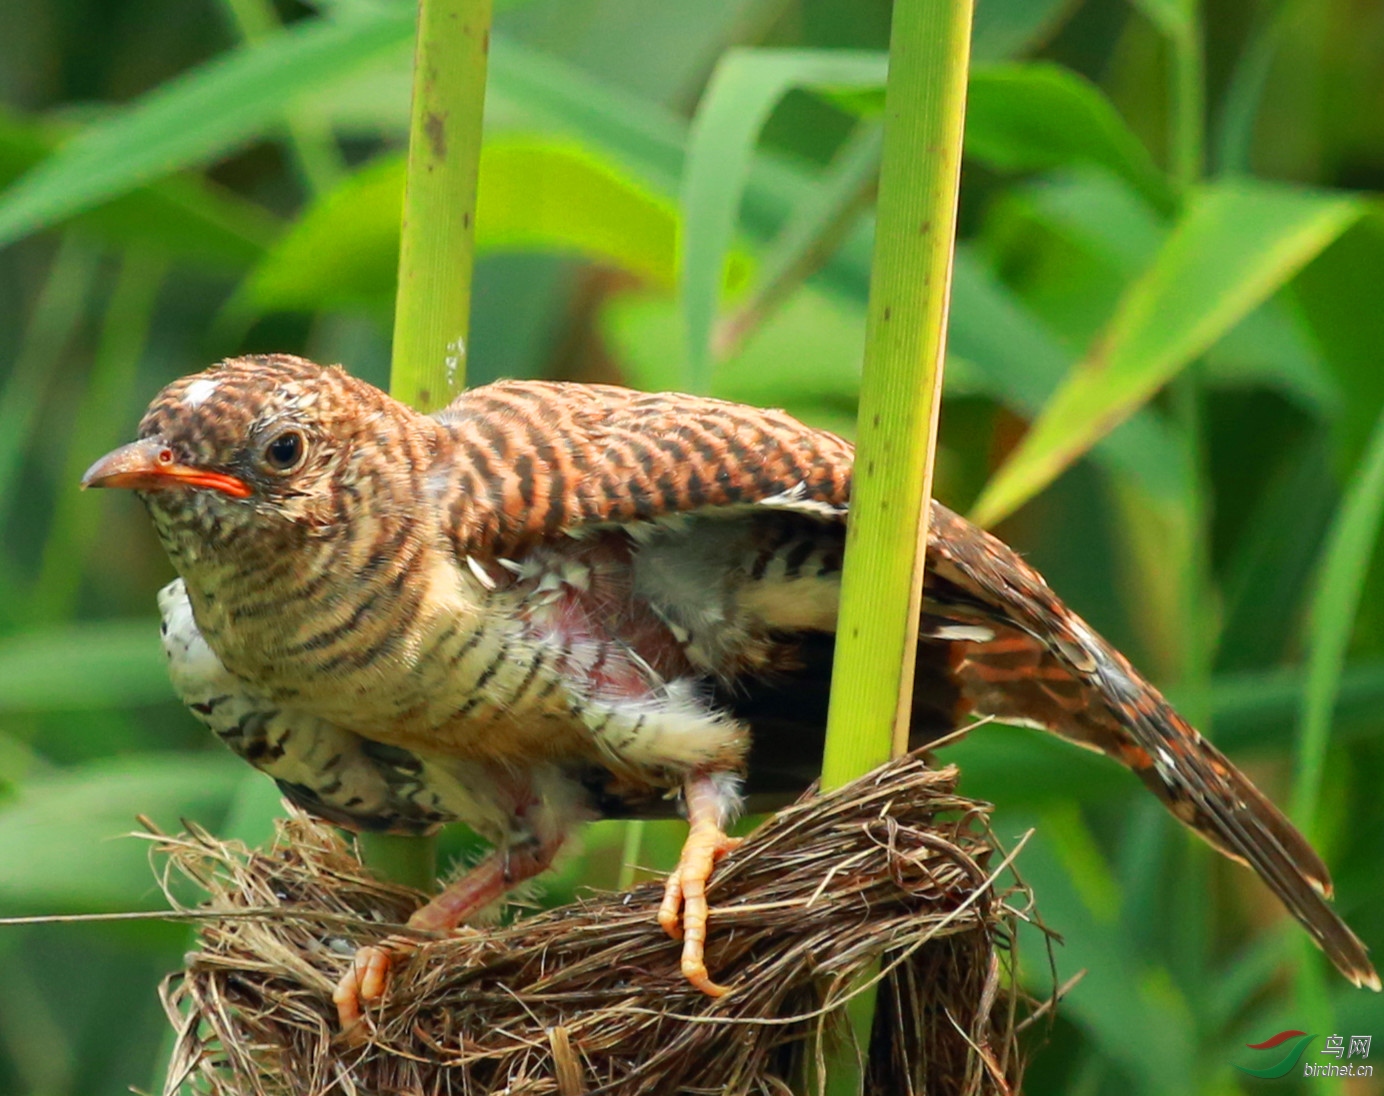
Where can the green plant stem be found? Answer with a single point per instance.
(433, 306)
(401, 858)
(904, 345)
(905, 341)
(629, 853)
(432, 310)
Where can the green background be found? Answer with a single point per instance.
(1194, 248)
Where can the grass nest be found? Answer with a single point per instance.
(894, 876)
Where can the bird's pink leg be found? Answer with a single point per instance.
(487, 882)
(684, 911)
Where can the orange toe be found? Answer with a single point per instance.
(365, 981)
(684, 911)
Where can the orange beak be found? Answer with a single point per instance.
(148, 465)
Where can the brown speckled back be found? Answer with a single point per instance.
(538, 458)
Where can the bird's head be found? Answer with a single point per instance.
(256, 449)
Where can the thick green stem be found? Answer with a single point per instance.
(411, 861)
(905, 342)
(433, 306)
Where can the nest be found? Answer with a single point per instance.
(893, 878)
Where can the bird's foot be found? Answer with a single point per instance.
(684, 911)
(487, 882)
(364, 982)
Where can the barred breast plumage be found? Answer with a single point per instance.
(555, 601)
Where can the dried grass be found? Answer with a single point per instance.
(588, 998)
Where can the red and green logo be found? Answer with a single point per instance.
(1293, 1042)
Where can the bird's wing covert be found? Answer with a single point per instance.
(534, 459)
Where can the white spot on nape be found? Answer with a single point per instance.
(198, 391)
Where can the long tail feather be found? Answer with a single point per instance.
(1044, 666)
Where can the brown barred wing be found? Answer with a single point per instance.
(532, 459)
(1044, 666)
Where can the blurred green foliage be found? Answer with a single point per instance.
(1182, 242)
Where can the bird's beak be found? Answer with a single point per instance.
(148, 465)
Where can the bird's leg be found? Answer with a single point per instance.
(684, 911)
(485, 883)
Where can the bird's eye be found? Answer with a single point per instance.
(285, 452)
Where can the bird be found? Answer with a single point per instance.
(555, 602)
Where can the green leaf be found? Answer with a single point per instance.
(1271, 346)
(1336, 599)
(184, 217)
(814, 231)
(1022, 363)
(1004, 28)
(343, 252)
(51, 327)
(536, 194)
(81, 667)
(546, 195)
(532, 91)
(1128, 1005)
(198, 117)
(806, 354)
(1237, 243)
(1338, 295)
(743, 92)
(1038, 116)
(62, 843)
(1172, 17)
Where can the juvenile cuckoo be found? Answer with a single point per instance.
(552, 602)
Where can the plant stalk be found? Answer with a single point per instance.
(433, 306)
(905, 342)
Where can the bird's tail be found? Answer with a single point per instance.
(1082, 689)
(1038, 663)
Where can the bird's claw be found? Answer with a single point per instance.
(365, 981)
(684, 911)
